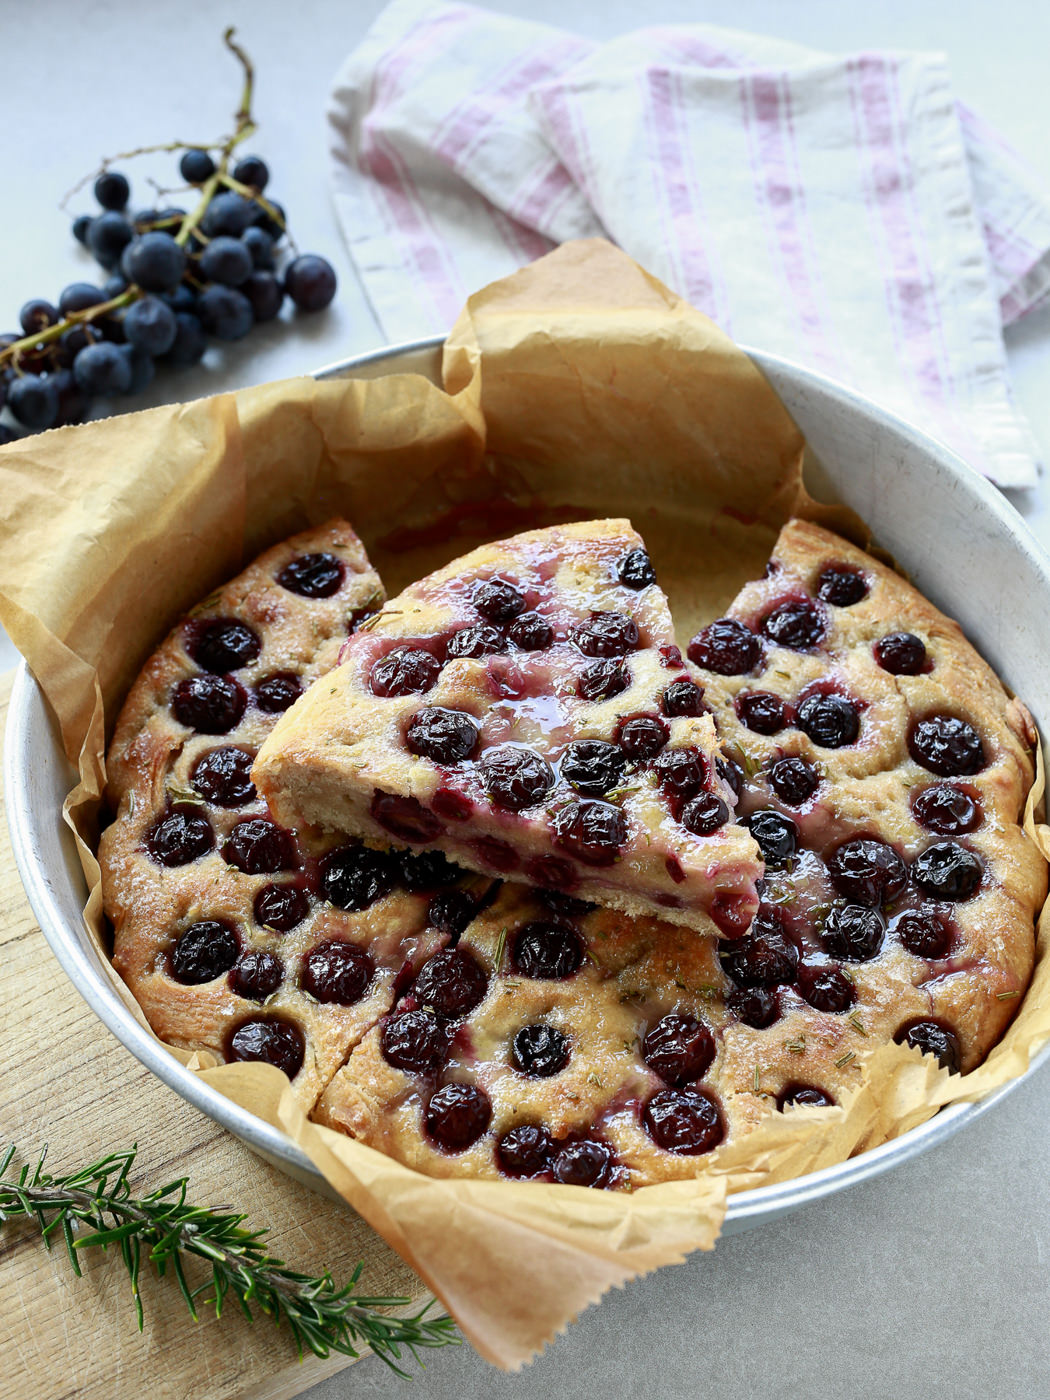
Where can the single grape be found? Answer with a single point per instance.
(310, 282)
(196, 166)
(225, 313)
(150, 325)
(274, 228)
(72, 342)
(102, 369)
(114, 285)
(140, 364)
(7, 376)
(78, 296)
(112, 190)
(7, 435)
(155, 262)
(265, 293)
(227, 213)
(190, 341)
(252, 170)
(170, 220)
(37, 315)
(82, 227)
(32, 360)
(226, 260)
(111, 328)
(72, 402)
(33, 400)
(110, 234)
(260, 246)
(183, 298)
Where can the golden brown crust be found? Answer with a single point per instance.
(151, 765)
(633, 973)
(869, 787)
(299, 634)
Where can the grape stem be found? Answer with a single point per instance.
(244, 126)
(243, 114)
(161, 148)
(249, 192)
(74, 318)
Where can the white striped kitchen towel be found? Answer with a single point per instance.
(843, 211)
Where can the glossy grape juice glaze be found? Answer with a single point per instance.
(542, 644)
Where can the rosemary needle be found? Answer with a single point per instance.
(94, 1208)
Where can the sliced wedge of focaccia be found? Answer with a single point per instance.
(236, 935)
(887, 771)
(526, 711)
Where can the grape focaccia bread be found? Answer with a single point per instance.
(235, 935)
(472, 1028)
(526, 711)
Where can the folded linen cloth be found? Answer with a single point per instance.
(844, 212)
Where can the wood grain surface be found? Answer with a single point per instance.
(65, 1080)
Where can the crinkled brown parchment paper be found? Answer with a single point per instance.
(578, 387)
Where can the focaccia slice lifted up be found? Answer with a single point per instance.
(525, 710)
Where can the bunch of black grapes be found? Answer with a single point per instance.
(175, 278)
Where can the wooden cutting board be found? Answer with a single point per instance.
(65, 1080)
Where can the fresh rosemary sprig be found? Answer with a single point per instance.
(94, 1207)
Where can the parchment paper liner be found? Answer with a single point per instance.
(578, 387)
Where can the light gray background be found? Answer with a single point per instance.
(933, 1281)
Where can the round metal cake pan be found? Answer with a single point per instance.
(964, 545)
